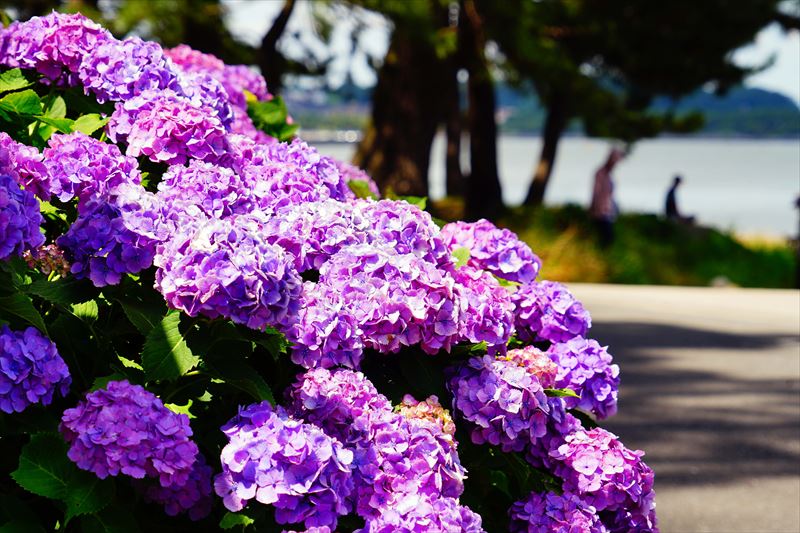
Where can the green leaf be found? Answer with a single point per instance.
(361, 189)
(21, 525)
(21, 306)
(102, 381)
(44, 468)
(14, 80)
(113, 519)
(65, 291)
(231, 520)
(86, 311)
(561, 393)
(165, 355)
(499, 480)
(143, 308)
(62, 125)
(238, 374)
(25, 102)
(461, 255)
(55, 107)
(181, 409)
(89, 124)
(86, 494)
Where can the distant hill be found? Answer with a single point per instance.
(742, 112)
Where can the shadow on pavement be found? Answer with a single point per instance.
(693, 400)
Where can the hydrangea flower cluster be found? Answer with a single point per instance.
(417, 514)
(429, 411)
(80, 166)
(550, 512)
(503, 397)
(25, 163)
(586, 368)
(489, 309)
(54, 45)
(223, 268)
(193, 497)
(496, 250)
(19, 219)
(31, 370)
(47, 259)
(119, 70)
(596, 467)
(547, 311)
(125, 429)
(352, 173)
(282, 461)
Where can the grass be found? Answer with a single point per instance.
(648, 249)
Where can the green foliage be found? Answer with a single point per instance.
(271, 117)
(165, 355)
(361, 189)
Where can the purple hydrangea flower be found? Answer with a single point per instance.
(323, 529)
(547, 311)
(503, 397)
(206, 92)
(124, 428)
(224, 268)
(19, 218)
(25, 163)
(554, 513)
(489, 310)
(398, 299)
(284, 462)
(31, 370)
(81, 166)
(119, 70)
(54, 45)
(334, 399)
(419, 514)
(598, 469)
(586, 367)
(352, 173)
(167, 127)
(494, 249)
(194, 496)
(104, 243)
(429, 411)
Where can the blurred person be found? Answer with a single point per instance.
(603, 208)
(671, 204)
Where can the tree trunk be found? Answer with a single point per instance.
(407, 106)
(270, 61)
(484, 195)
(554, 125)
(454, 177)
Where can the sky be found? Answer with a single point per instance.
(250, 19)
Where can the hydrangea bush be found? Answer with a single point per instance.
(206, 324)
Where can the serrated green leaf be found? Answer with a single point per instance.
(25, 102)
(181, 409)
(65, 291)
(90, 123)
(113, 519)
(44, 468)
(461, 255)
(561, 393)
(127, 363)
(86, 494)
(86, 311)
(231, 520)
(21, 306)
(14, 80)
(165, 355)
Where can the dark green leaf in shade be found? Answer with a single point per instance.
(165, 355)
(21, 306)
(237, 373)
(112, 519)
(65, 291)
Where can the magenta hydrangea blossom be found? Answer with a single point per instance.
(119, 70)
(83, 167)
(554, 513)
(19, 218)
(494, 249)
(31, 370)
(193, 496)
(419, 514)
(503, 397)
(281, 461)
(224, 268)
(25, 163)
(598, 469)
(123, 428)
(489, 310)
(104, 243)
(586, 368)
(547, 311)
(54, 45)
(168, 128)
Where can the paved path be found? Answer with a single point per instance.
(711, 391)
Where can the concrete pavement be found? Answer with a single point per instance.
(711, 391)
